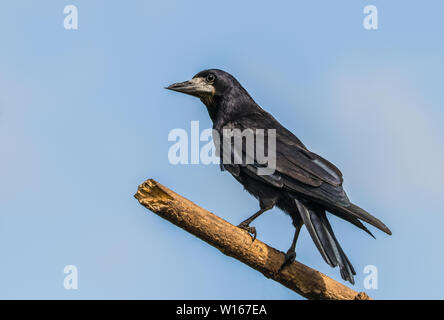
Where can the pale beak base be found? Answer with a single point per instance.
(196, 87)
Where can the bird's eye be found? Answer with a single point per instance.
(211, 77)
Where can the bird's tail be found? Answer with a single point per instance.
(322, 234)
(352, 212)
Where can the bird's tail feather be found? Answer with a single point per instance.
(355, 221)
(322, 234)
(353, 210)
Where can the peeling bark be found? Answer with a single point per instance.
(238, 244)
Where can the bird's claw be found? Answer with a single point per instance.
(250, 230)
(290, 257)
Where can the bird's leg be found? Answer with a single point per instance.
(290, 256)
(246, 223)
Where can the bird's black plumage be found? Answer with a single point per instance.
(304, 185)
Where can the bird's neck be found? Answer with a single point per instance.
(212, 108)
(223, 109)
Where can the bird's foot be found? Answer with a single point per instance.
(250, 230)
(290, 257)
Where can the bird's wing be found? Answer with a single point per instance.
(301, 171)
(293, 159)
(297, 169)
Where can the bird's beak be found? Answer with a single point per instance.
(196, 87)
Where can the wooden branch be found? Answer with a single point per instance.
(238, 244)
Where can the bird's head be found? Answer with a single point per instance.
(208, 85)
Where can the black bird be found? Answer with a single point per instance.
(304, 185)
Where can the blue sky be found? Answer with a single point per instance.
(84, 119)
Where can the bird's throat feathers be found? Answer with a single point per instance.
(230, 105)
